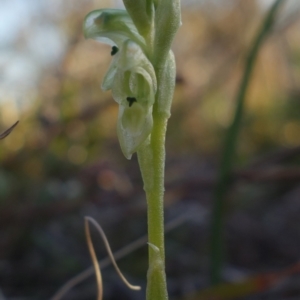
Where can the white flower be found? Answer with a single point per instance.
(131, 76)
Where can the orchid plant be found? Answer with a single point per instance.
(142, 80)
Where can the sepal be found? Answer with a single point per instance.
(109, 76)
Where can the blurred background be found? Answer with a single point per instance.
(63, 161)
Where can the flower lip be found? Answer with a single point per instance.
(134, 126)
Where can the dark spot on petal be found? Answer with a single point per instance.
(131, 100)
(114, 50)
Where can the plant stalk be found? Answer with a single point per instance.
(151, 158)
(230, 147)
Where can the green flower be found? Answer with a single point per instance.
(131, 76)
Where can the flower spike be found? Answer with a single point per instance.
(131, 75)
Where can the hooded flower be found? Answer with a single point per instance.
(131, 76)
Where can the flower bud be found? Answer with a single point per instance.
(165, 91)
(167, 22)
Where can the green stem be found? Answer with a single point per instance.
(230, 147)
(151, 158)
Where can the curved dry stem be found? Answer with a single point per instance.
(94, 259)
(70, 284)
(106, 243)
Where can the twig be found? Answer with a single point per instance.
(142, 241)
(8, 131)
